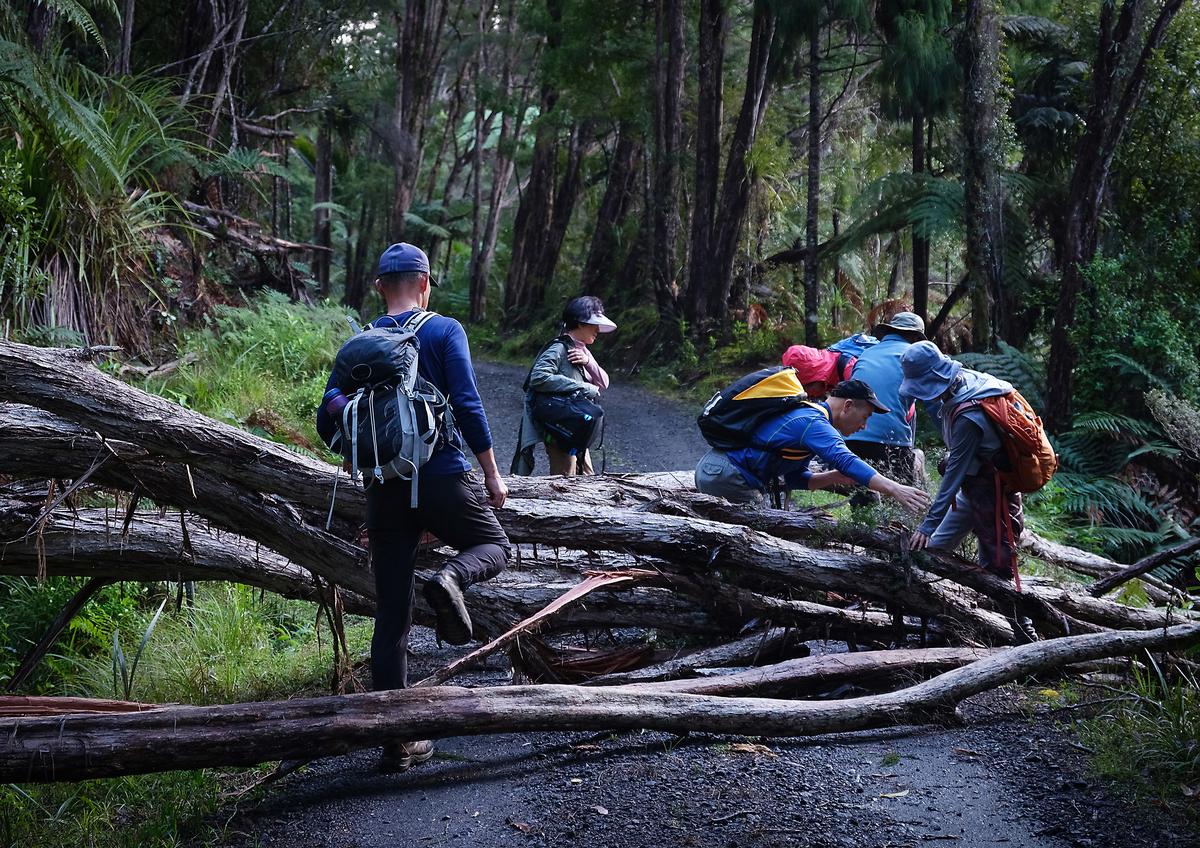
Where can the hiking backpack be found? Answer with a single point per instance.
(1031, 458)
(849, 350)
(729, 420)
(394, 418)
(572, 420)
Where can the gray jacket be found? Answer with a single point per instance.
(970, 438)
(553, 373)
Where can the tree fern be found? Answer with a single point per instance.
(1010, 364)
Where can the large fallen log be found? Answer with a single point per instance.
(806, 675)
(91, 543)
(35, 443)
(66, 383)
(77, 747)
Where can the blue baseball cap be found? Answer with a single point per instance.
(403, 258)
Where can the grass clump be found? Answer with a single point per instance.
(262, 367)
(1150, 739)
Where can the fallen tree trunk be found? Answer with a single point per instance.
(35, 443)
(90, 543)
(1148, 563)
(64, 382)
(751, 650)
(77, 747)
(806, 675)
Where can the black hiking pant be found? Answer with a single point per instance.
(452, 507)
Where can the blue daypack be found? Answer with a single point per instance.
(850, 349)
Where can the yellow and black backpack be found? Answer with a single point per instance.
(730, 419)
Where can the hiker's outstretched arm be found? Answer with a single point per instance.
(464, 398)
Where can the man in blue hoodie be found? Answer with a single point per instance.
(785, 444)
(452, 505)
(969, 498)
(887, 440)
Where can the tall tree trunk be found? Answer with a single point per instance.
(419, 25)
(920, 244)
(536, 211)
(736, 186)
(601, 265)
(39, 20)
(533, 215)
(1118, 81)
(812, 281)
(483, 251)
(714, 25)
(322, 196)
(560, 218)
(984, 201)
(124, 55)
(229, 51)
(668, 131)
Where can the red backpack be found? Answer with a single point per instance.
(1031, 459)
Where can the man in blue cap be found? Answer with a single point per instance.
(969, 499)
(887, 440)
(451, 504)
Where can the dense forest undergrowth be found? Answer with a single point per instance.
(208, 186)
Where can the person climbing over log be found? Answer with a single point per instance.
(561, 394)
(987, 465)
(435, 489)
(763, 428)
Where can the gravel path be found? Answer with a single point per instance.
(1011, 777)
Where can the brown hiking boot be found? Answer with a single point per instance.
(445, 597)
(402, 756)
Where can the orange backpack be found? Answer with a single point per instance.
(1030, 455)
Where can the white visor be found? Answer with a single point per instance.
(600, 321)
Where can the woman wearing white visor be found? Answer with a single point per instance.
(566, 373)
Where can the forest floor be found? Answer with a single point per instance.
(1013, 775)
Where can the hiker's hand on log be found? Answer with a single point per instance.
(918, 541)
(496, 489)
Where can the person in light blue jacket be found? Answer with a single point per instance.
(887, 440)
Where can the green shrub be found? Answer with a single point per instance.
(262, 367)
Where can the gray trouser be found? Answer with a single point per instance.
(717, 475)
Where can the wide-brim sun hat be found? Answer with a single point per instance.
(906, 323)
(927, 371)
(600, 320)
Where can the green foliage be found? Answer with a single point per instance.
(232, 645)
(27, 608)
(1010, 364)
(262, 366)
(1150, 738)
(146, 811)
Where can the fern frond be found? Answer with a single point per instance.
(1012, 365)
(1035, 28)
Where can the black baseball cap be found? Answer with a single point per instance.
(857, 390)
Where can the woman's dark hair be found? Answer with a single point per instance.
(580, 309)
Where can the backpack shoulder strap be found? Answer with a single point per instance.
(418, 319)
(556, 340)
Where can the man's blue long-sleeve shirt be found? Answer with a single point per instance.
(445, 361)
(784, 445)
(879, 368)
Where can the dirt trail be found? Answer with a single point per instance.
(1010, 777)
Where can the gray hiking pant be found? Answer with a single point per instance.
(717, 475)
